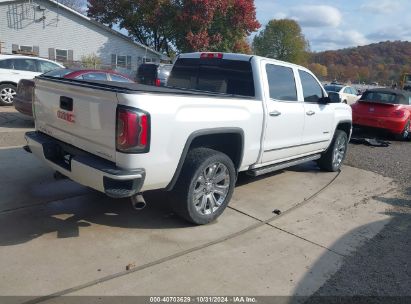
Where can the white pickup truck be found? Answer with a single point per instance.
(221, 114)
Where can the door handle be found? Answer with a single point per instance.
(310, 113)
(275, 113)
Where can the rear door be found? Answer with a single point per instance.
(285, 114)
(319, 118)
(82, 116)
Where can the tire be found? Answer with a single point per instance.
(406, 133)
(7, 93)
(345, 101)
(200, 196)
(333, 158)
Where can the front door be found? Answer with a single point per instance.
(319, 117)
(285, 114)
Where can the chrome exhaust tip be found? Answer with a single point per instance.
(138, 202)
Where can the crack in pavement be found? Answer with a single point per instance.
(259, 224)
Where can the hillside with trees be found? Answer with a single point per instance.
(379, 62)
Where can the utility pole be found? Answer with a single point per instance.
(1, 46)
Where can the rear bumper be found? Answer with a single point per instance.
(85, 168)
(393, 125)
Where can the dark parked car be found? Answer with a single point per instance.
(23, 99)
(154, 74)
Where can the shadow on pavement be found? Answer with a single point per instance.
(15, 120)
(380, 267)
(68, 216)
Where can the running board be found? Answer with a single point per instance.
(283, 165)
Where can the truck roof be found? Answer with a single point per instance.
(239, 57)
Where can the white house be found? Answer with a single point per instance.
(54, 31)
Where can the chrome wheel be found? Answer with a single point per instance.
(407, 131)
(7, 95)
(211, 188)
(339, 151)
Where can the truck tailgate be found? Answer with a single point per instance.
(82, 116)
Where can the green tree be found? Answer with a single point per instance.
(283, 40)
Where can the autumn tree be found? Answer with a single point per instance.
(319, 70)
(185, 25)
(283, 40)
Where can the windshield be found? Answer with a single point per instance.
(333, 88)
(58, 73)
(381, 97)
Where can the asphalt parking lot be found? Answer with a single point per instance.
(338, 234)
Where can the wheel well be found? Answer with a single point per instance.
(345, 126)
(230, 144)
(8, 82)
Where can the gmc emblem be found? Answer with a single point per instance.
(66, 116)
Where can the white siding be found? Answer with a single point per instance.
(62, 29)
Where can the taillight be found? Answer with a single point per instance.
(158, 82)
(133, 130)
(399, 113)
(211, 55)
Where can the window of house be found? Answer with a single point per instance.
(121, 61)
(62, 55)
(311, 88)
(281, 82)
(26, 48)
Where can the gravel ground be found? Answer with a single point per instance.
(393, 161)
(381, 267)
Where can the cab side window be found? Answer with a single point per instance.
(6, 64)
(311, 89)
(281, 82)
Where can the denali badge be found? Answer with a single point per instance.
(66, 116)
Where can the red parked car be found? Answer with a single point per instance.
(23, 98)
(384, 109)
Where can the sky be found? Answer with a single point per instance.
(330, 25)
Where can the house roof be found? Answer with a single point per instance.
(110, 30)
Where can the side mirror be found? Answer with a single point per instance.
(334, 97)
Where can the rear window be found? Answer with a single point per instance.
(6, 64)
(384, 97)
(58, 73)
(213, 75)
(333, 88)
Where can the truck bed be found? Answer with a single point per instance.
(123, 87)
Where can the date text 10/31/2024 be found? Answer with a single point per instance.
(200, 299)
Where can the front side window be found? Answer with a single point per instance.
(311, 88)
(118, 78)
(281, 82)
(47, 66)
(23, 64)
(347, 90)
(94, 76)
(61, 55)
